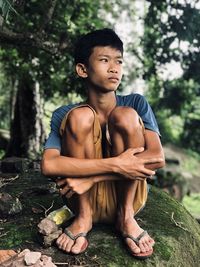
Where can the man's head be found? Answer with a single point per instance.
(86, 44)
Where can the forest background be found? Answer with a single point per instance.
(37, 72)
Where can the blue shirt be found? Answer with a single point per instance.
(136, 101)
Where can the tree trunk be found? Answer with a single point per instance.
(27, 129)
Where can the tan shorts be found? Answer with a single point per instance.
(103, 196)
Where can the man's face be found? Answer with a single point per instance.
(104, 71)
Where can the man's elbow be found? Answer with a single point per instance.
(162, 163)
(45, 167)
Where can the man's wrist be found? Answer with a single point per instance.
(114, 165)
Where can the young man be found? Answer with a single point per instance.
(105, 147)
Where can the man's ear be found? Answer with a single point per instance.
(81, 70)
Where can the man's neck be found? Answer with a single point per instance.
(103, 103)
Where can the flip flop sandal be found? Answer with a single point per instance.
(141, 255)
(74, 237)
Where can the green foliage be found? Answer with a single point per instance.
(191, 134)
(54, 71)
(4, 101)
(172, 34)
(191, 203)
(5, 8)
(2, 153)
(170, 126)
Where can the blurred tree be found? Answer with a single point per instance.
(172, 38)
(36, 55)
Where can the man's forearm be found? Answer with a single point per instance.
(149, 154)
(125, 164)
(74, 167)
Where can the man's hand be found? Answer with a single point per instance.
(128, 165)
(69, 186)
(132, 167)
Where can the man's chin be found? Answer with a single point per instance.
(110, 89)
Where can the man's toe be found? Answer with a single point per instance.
(146, 243)
(80, 245)
(68, 245)
(146, 246)
(151, 241)
(64, 243)
(142, 246)
(60, 240)
(133, 247)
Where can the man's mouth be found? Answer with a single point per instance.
(114, 79)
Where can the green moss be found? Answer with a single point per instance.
(22, 228)
(16, 235)
(176, 232)
(162, 248)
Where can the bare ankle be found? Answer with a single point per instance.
(85, 216)
(85, 212)
(125, 213)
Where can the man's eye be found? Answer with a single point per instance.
(120, 61)
(104, 59)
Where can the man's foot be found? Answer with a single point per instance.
(130, 228)
(68, 241)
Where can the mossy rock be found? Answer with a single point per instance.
(176, 232)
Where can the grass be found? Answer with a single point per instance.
(192, 204)
(192, 162)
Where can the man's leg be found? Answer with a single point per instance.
(78, 142)
(125, 132)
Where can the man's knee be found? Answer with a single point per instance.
(80, 121)
(124, 118)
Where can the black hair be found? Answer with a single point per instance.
(103, 37)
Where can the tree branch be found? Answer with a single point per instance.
(25, 39)
(38, 40)
(48, 14)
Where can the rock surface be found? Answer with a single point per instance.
(9, 205)
(47, 227)
(6, 254)
(14, 165)
(49, 232)
(32, 257)
(29, 258)
(176, 232)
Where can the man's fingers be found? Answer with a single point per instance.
(148, 172)
(64, 190)
(69, 193)
(140, 178)
(137, 150)
(141, 174)
(153, 160)
(144, 172)
(61, 182)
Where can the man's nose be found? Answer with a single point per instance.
(113, 69)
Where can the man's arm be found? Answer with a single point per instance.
(153, 148)
(126, 164)
(132, 164)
